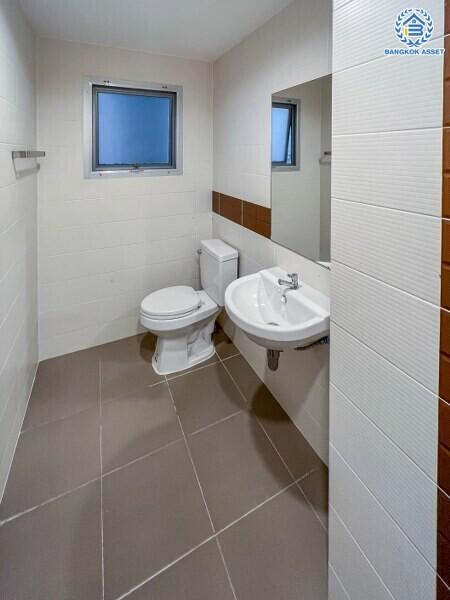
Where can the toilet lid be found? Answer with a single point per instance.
(175, 301)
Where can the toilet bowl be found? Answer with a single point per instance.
(183, 318)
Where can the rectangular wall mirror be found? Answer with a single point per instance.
(301, 169)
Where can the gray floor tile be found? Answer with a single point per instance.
(205, 396)
(210, 361)
(224, 346)
(199, 576)
(153, 513)
(126, 366)
(290, 443)
(278, 551)
(64, 386)
(237, 466)
(53, 459)
(315, 487)
(137, 424)
(54, 552)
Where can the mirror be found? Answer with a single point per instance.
(301, 169)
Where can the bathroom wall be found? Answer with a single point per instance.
(290, 49)
(297, 193)
(106, 243)
(386, 252)
(18, 198)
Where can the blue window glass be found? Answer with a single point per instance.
(284, 117)
(133, 128)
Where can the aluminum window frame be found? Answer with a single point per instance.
(295, 103)
(92, 170)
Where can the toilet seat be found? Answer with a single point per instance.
(171, 303)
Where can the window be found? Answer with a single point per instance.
(284, 134)
(133, 129)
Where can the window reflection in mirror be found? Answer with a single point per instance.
(301, 169)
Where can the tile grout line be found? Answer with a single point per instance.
(45, 502)
(310, 504)
(238, 412)
(267, 500)
(100, 409)
(330, 566)
(85, 483)
(132, 391)
(166, 567)
(281, 458)
(57, 420)
(212, 536)
(143, 457)
(224, 562)
(261, 426)
(219, 547)
(192, 460)
(193, 369)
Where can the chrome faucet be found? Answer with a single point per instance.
(291, 283)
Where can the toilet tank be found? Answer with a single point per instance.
(218, 268)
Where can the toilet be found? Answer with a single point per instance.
(183, 318)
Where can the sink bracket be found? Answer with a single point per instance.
(321, 342)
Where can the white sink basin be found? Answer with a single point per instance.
(254, 303)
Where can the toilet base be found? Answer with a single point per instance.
(184, 349)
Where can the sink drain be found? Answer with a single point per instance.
(273, 323)
(273, 357)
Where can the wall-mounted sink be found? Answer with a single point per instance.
(255, 303)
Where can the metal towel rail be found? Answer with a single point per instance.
(26, 154)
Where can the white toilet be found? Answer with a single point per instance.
(183, 318)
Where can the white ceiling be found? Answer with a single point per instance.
(201, 29)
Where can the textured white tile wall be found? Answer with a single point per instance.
(105, 244)
(386, 180)
(371, 40)
(399, 326)
(383, 102)
(397, 483)
(354, 569)
(399, 406)
(404, 571)
(394, 177)
(402, 249)
(18, 223)
(335, 588)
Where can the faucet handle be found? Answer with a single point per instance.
(293, 276)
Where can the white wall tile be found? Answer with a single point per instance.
(350, 33)
(403, 409)
(335, 588)
(384, 101)
(399, 170)
(386, 181)
(399, 248)
(102, 242)
(397, 325)
(358, 576)
(18, 198)
(402, 568)
(408, 495)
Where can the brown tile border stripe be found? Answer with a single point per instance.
(251, 216)
(443, 520)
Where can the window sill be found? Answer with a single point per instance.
(132, 173)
